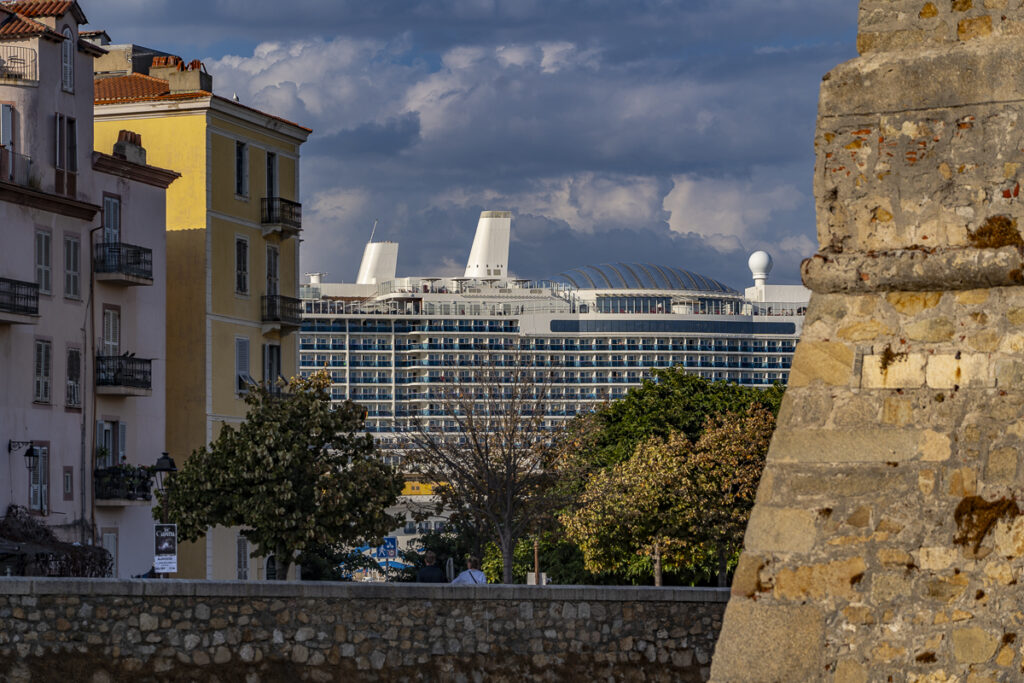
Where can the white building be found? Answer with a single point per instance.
(82, 295)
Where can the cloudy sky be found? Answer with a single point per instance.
(666, 131)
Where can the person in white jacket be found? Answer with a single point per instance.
(472, 575)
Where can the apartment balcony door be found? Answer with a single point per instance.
(273, 280)
(110, 344)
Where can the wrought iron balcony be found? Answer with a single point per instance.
(278, 213)
(282, 310)
(19, 302)
(18, 64)
(124, 375)
(122, 483)
(122, 264)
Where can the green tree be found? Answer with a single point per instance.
(294, 475)
(674, 505)
(672, 401)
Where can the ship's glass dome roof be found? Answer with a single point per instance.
(640, 276)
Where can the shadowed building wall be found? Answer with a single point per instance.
(885, 540)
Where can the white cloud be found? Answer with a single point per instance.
(725, 211)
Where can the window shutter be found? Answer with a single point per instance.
(44, 478)
(242, 560)
(266, 365)
(67, 54)
(122, 441)
(33, 485)
(242, 363)
(7, 126)
(58, 141)
(72, 141)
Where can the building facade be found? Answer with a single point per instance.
(392, 344)
(233, 221)
(82, 295)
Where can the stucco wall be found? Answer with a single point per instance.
(103, 630)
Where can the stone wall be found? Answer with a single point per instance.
(886, 543)
(105, 630)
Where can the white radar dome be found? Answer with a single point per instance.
(760, 263)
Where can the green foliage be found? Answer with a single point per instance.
(673, 401)
(688, 502)
(294, 475)
(560, 559)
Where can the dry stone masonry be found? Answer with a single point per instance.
(101, 631)
(887, 542)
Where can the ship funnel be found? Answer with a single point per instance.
(489, 255)
(380, 261)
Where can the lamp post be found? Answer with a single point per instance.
(162, 471)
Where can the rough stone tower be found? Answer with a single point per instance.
(887, 543)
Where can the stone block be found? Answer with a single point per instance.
(936, 558)
(867, 445)
(946, 371)
(745, 581)
(826, 581)
(912, 303)
(782, 530)
(974, 645)
(930, 330)
(850, 671)
(829, 362)
(898, 372)
(1002, 465)
(868, 330)
(763, 643)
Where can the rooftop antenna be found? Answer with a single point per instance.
(374, 229)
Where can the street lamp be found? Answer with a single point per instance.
(164, 466)
(31, 456)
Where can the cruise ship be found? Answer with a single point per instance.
(598, 330)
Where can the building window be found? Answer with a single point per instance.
(73, 391)
(242, 558)
(111, 443)
(111, 219)
(242, 377)
(241, 265)
(241, 169)
(67, 61)
(72, 267)
(42, 367)
(69, 483)
(109, 542)
(66, 155)
(43, 270)
(39, 481)
(111, 341)
(273, 256)
(271, 364)
(271, 174)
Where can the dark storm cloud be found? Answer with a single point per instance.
(674, 132)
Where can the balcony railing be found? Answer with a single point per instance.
(21, 298)
(125, 262)
(282, 212)
(14, 168)
(124, 373)
(18, 63)
(122, 482)
(285, 310)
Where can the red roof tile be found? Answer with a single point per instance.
(15, 26)
(130, 88)
(46, 8)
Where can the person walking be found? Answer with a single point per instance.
(430, 572)
(472, 575)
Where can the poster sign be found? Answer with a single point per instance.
(165, 560)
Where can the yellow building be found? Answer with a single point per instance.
(233, 221)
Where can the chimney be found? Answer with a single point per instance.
(162, 67)
(379, 264)
(129, 147)
(192, 78)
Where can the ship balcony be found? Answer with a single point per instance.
(124, 376)
(278, 214)
(122, 264)
(19, 302)
(280, 312)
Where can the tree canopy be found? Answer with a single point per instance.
(674, 503)
(672, 401)
(294, 475)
